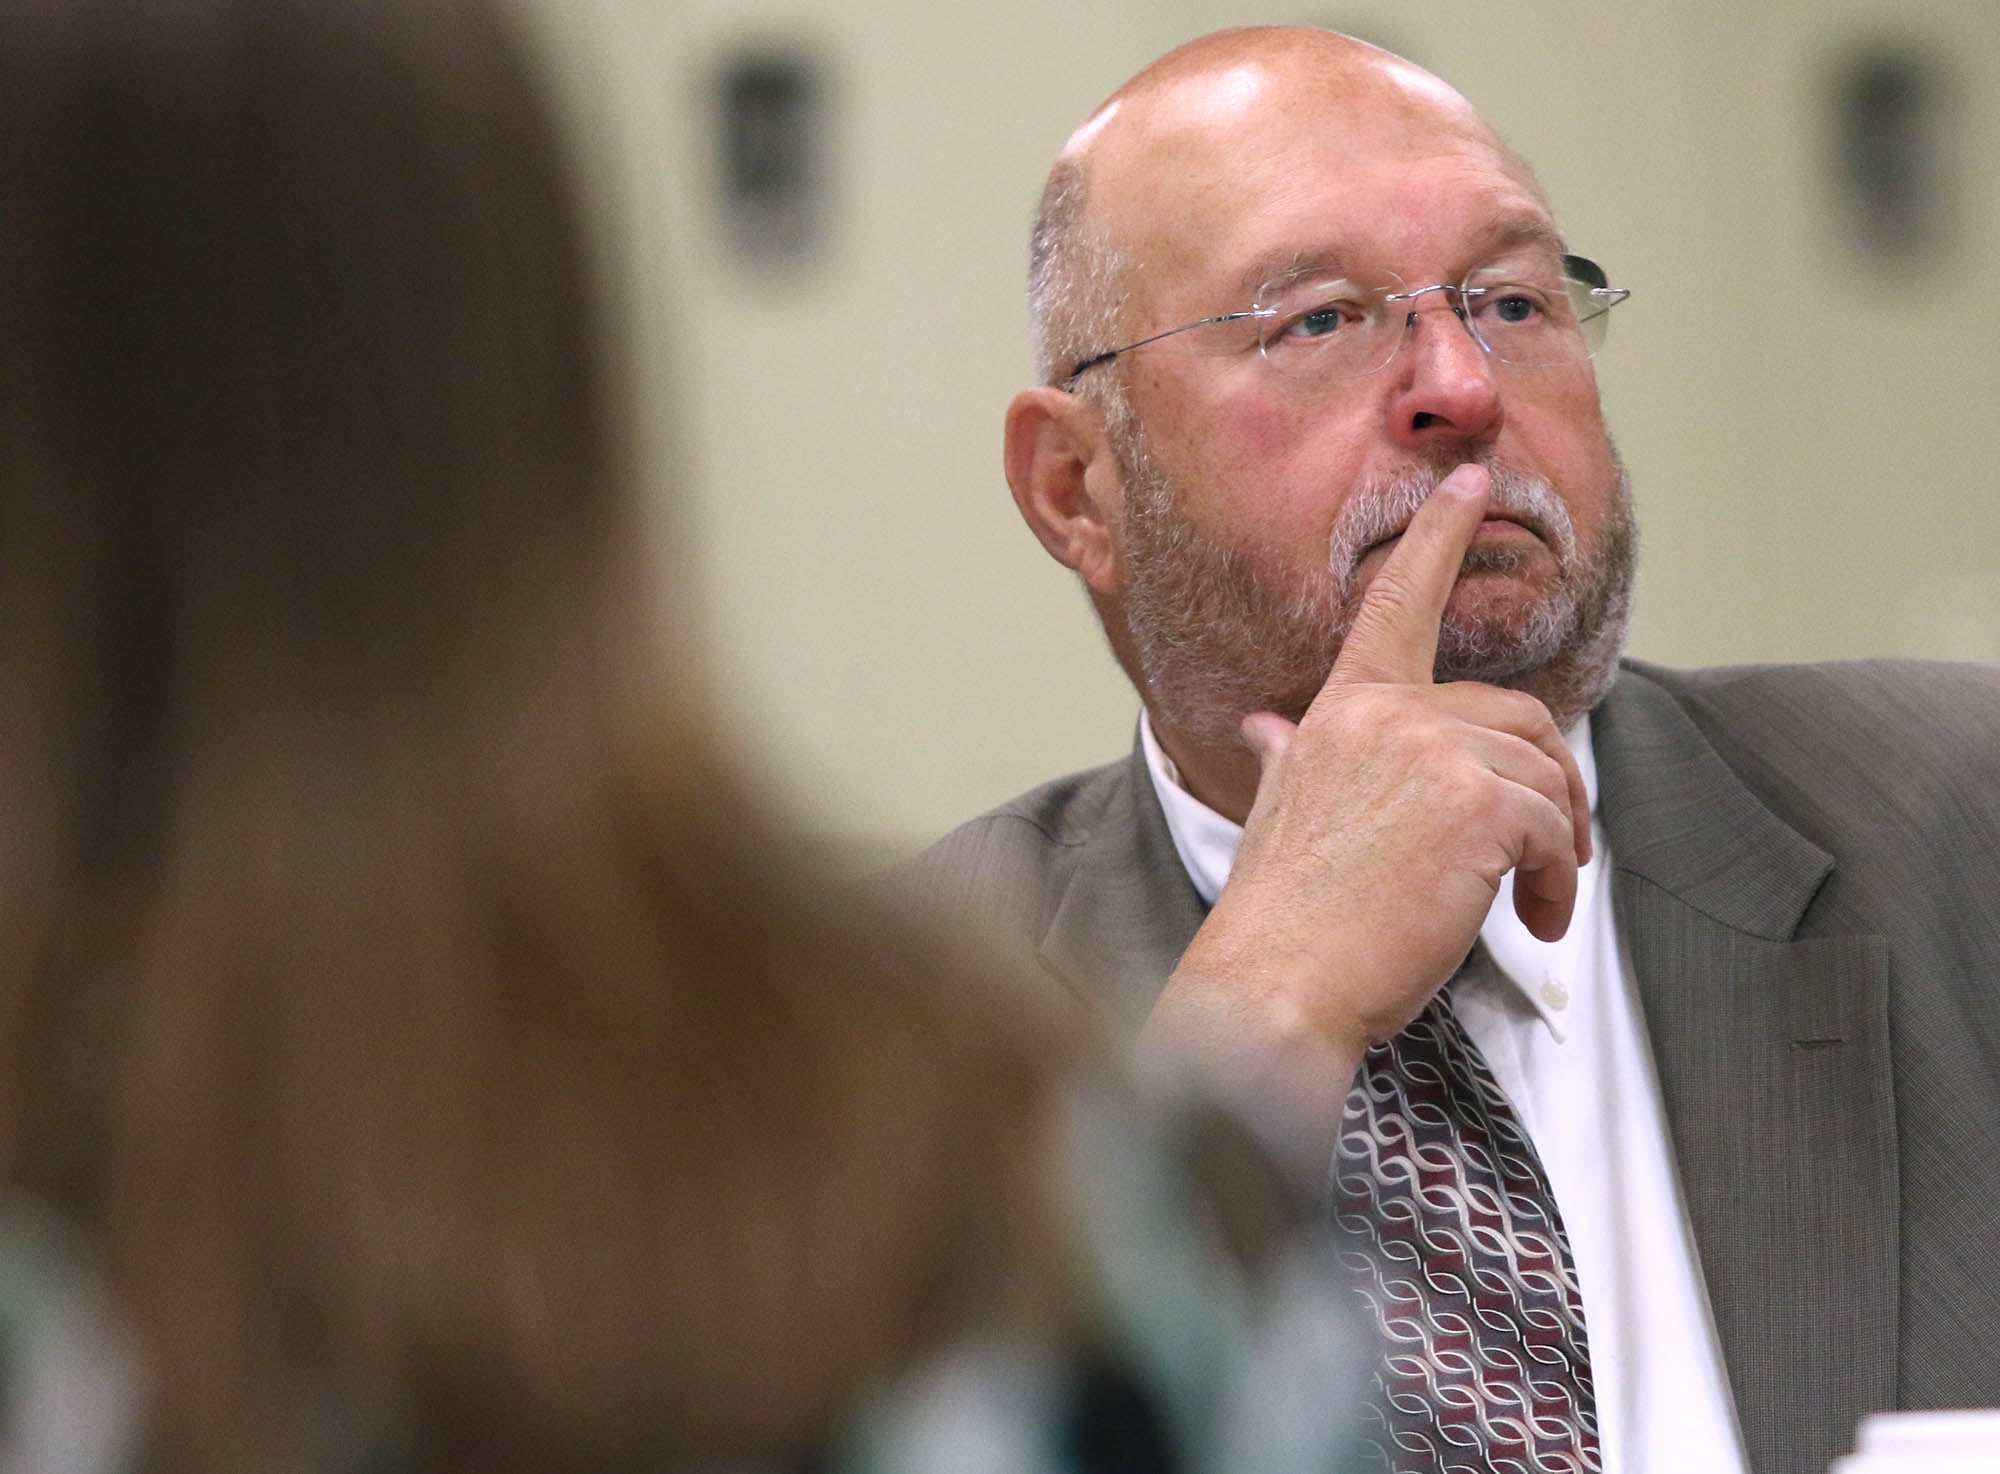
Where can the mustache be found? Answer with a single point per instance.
(1381, 508)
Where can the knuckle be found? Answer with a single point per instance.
(1536, 811)
(1394, 588)
(1529, 712)
(1551, 779)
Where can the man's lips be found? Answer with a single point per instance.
(1500, 523)
(1496, 524)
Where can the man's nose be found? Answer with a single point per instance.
(1445, 385)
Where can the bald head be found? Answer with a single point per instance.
(1216, 80)
(1150, 176)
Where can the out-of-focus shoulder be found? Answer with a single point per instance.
(997, 878)
(1026, 835)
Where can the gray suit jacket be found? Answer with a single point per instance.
(1808, 885)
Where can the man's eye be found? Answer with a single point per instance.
(1512, 306)
(1329, 317)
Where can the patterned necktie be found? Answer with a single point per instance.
(1446, 1218)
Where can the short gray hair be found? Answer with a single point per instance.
(1076, 278)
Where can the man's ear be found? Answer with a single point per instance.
(1064, 478)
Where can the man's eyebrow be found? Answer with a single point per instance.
(1508, 233)
(1274, 267)
(1504, 233)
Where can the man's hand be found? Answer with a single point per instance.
(1382, 826)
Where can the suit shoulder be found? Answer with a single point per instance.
(1933, 725)
(1010, 857)
(1883, 677)
(1059, 814)
(1868, 700)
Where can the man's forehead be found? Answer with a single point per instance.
(1222, 85)
(1182, 167)
(1198, 103)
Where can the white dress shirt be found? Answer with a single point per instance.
(1565, 1037)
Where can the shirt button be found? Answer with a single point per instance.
(1554, 994)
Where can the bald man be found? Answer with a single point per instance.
(1318, 430)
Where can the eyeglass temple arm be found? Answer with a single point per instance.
(1110, 353)
(1607, 298)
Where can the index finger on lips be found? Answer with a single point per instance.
(1395, 634)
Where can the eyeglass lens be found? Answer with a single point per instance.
(1528, 308)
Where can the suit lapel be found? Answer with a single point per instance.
(1129, 909)
(1773, 1056)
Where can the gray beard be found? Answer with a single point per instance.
(1217, 636)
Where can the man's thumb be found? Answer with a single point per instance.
(1269, 736)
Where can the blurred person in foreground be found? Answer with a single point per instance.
(416, 1053)
(1643, 1022)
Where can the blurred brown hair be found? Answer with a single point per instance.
(398, 998)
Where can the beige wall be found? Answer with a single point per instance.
(1811, 437)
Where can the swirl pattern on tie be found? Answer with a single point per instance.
(1447, 1222)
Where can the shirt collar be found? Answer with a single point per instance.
(1205, 841)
